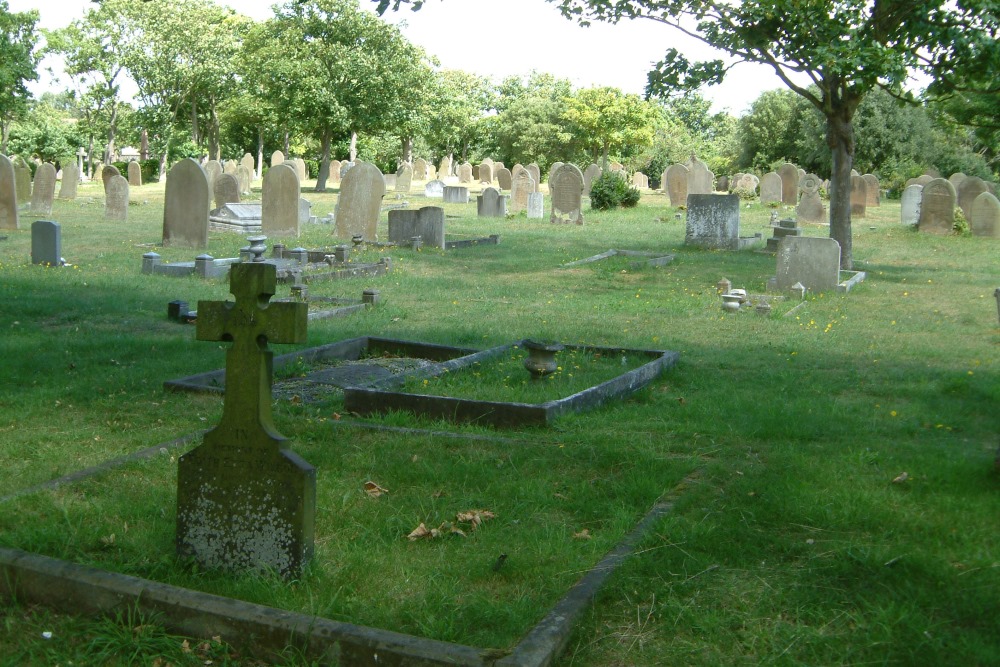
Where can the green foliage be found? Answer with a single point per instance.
(611, 190)
(18, 64)
(745, 194)
(605, 120)
(530, 124)
(961, 225)
(46, 133)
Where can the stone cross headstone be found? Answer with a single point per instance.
(226, 190)
(874, 190)
(491, 204)
(70, 181)
(116, 199)
(677, 184)
(244, 178)
(590, 174)
(404, 178)
(277, 157)
(504, 179)
(789, 175)
(810, 260)
(966, 193)
(279, 211)
(434, 189)
(771, 188)
(8, 194)
(520, 188)
(810, 207)
(185, 205)
(134, 174)
(859, 196)
(420, 169)
(245, 501)
(360, 202)
(426, 222)
(46, 243)
(910, 204)
(713, 221)
(985, 218)
(937, 207)
(43, 189)
(566, 188)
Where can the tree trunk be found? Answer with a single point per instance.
(144, 145)
(840, 139)
(213, 134)
(109, 151)
(195, 134)
(324, 162)
(4, 133)
(260, 152)
(604, 157)
(285, 146)
(353, 151)
(406, 152)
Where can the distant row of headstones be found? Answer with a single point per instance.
(930, 204)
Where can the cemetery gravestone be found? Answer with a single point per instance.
(107, 171)
(226, 190)
(434, 189)
(566, 188)
(404, 178)
(504, 179)
(244, 179)
(810, 207)
(723, 184)
(345, 167)
(789, 175)
(335, 171)
(812, 261)
(874, 190)
(456, 194)
(713, 221)
(536, 205)
(116, 199)
(486, 172)
(70, 181)
(427, 223)
(676, 180)
(465, 173)
(277, 157)
(475, 172)
(134, 174)
(444, 168)
(247, 162)
(701, 181)
(639, 180)
(213, 169)
(245, 501)
(491, 204)
(937, 207)
(46, 243)
(8, 194)
(361, 195)
(43, 189)
(300, 169)
(910, 204)
(420, 169)
(520, 188)
(536, 174)
(305, 211)
(859, 196)
(390, 181)
(279, 211)
(985, 218)
(229, 167)
(592, 173)
(553, 169)
(771, 188)
(956, 179)
(22, 183)
(970, 188)
(185, 206)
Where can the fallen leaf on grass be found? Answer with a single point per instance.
(446, 528)
(336, 416)
(583, 535)
(902, 477)
(475, 517)
(418, 532)
(185, 646)
(374, 490)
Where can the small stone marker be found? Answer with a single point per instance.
(812, 261)
(713, 221)
(185, 205)
(245, 502)
(427, 223)
(226, 190)
(859, 196)
(985, 218)
(46, 243)
(43, 189)
(8, 194)
(134, 174)
(789, 175)
(874, 190)
(566, 186)
(504, 178)
(771, 188)
(116, 199)
(404, 178)
(536, 205)
(676, 180)
(591, 174)
(456, 194)
(360, 202)
(520, 188)
(420, 169)
(491, 204)
(937, 207)
(434, 189)
(910, 204)
(70, 181)
(810, 207)
(279, 216)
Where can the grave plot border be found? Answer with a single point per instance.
(382, 396)
(654, 258)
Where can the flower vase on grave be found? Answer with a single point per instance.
(541, 360)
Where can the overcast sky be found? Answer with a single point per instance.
(498, 38)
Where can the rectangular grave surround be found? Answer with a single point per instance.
(385, 395)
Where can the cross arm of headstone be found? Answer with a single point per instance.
(251, 316)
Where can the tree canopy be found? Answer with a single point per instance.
(18, 64)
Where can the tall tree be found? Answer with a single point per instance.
(18, 64)
(605, 118)
(530, 123)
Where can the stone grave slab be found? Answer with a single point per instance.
(909, 203)
(239, 218)
(426, 222)
(937, 207)
(713, 221)
(644, 258)
(46, 243)
(491, 204)
(811, 261)
(456, 194)
(43, 190)
(186, 204)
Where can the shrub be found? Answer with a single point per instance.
(961, 225)
(610, 190)
(745, 194)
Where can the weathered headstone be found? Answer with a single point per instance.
(465, 173)
(361, 194)
(810, 207)
(521, 186)
(434, 189)
(213, 169)
(566, 188)
(345, 167)
(616, 166)
(701, 181)
(591, 174)
(504, 179)
(444, 168)
(245, 501)
(874, 190)
(229, 167)
(985, 217)
(426, 222)
(859, 196)
(420, 169)
(279, 214)
(46, 243)
(639, 180)
(134, 174)
(248, 163)
(724, 184)
(713, 221)
(937, 207)
(491, 204)
(771, 188)
(536, 206)
(107, 171)
(277, 157)
(335, 171)
(810, 260)
(22, 175)
(404, 178)
(910, 204)
(789, 175)
(536, 174)
(116, 199)
(8, 194)
(486, 172)
(677, 184)
(970, 188)
(305, 211)
(185, 206)
(300, 169)
(70, 181)
(956, 179)
(226, 190)
(553, 169)
(456, 194)
(244, 178)
(43, 189)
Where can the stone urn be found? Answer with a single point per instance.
(541, 359)
(731, 302)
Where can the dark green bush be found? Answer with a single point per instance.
(611, 190)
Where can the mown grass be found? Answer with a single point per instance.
(792, 546)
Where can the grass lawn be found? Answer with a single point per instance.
(796, 537)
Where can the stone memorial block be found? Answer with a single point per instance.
(404, 178)
(70, 181)
(812, 261)
(116, 199)
(985, 218)
(486, 172)
(465, 173)
(771, 188)
(789, 175)
(426, 222)
(713, 221)
(213, 169)
(937, 207)
(360, 202)
(444, 168)
(185, 205)
(874, 190)
(521, 186)
(277, 157)
(46, 243)
(456, 194)
(504, 179)
(536, 205)
(43, 189)
(566, 189)
(107, 171)
(226, 190)
(591, 174)
(536, 174)
(970, 188)
(859, 196)
(491, 204)
(910, 204)
(810, 207)
(245, 501)
(8, 194)
(420, 169)
(279, 213)
(701, 181)
(244, 179)
(434, 189)
(134, 174)
(676, 179)
(22, 183)
(248, 163)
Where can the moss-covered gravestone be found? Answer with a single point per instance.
(244, 500)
